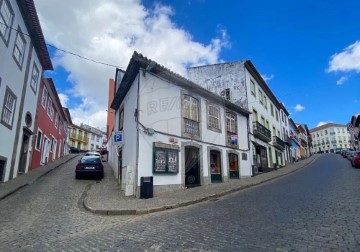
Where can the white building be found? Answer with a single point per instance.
(24, 57)
(242, 84)
(180, 134)
(329, 137)
(96, 137)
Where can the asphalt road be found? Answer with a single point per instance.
(314, 209)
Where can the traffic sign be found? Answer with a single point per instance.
(118, 138)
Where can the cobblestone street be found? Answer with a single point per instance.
(314, 209)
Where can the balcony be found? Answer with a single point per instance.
(261, 132)
(333, 141)
(278, 143)
(191, 127)
(79, 137)
(288, 141)
(304, 142)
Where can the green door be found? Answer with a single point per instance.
(215, 166)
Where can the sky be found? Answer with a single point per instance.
(308, 52)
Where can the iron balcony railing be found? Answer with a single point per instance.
(191, 127)
(278, 143)
(261, 132)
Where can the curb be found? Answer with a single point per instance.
(33, 180)
(181, 204)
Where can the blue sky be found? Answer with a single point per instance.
(302, 48)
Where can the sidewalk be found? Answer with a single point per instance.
(11, 186)
(107, 198)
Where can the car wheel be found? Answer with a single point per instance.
(77, 176)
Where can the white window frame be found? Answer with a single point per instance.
(38, 147)
(8, 109)
(34, 78)
(6, 20)
(50, 109)
(253, 88)
(191, 108)
(54, 149)
(19, 48)
(44, 97)
(231, 122)
(214, 117)
(56, 120)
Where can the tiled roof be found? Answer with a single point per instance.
(31, 19)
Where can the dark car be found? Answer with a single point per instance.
(74, 150)
(90, 166)
(355, 161)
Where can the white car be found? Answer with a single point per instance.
(93, 153)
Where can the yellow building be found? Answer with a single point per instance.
(79, 137)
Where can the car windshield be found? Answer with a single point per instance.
(92, 154)
(91, 160)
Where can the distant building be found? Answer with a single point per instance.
(241, 83)
(97, 138)
(295, 145)
(79, 137)
(330, 137)
(305, 140)
(24, 57)
(50, 141)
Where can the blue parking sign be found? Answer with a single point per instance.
(118, 137)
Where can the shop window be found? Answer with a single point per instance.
(165, 158)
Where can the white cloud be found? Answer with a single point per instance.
(64, 100)
(299, 108)
(322, 123)
(109, 31)
(342, 80)
(347, 60)
(267, 78)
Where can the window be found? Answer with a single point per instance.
(44, 97)
(213, 117)
(326, 132)
(56, 120)
(60, 127)
(8, 110)
(34, 78)
(231, 122)
(272, 110)
(38, 140)
(50, 109)
(265, 101)
(19, 48)
(260, 96)
(231, 129)
(252, 87)
(233, 163)
(255, 118)
(52, 145)
(97, 139)
(191, 108)
(92, 137)
(263, 121)
(267, 124)
(6, 20)
(121, 119)
(277, 115)
(165, 158)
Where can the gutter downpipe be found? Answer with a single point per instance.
(137, 136)
(248, 123)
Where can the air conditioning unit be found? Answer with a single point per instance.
(226, 94)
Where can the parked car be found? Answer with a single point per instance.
(90, 166)
(74, 150)
(350, 154)
(103, 151)
(355, 162)
(92, 153)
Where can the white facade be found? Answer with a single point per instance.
(243, 85)
(155, 123)
(329, 137)
(96, 137)
(22, 63)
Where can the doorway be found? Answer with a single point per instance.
(23, 153)
(215, 166)
(233, 165)
(192, 166)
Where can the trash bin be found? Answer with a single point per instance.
(146, 187)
